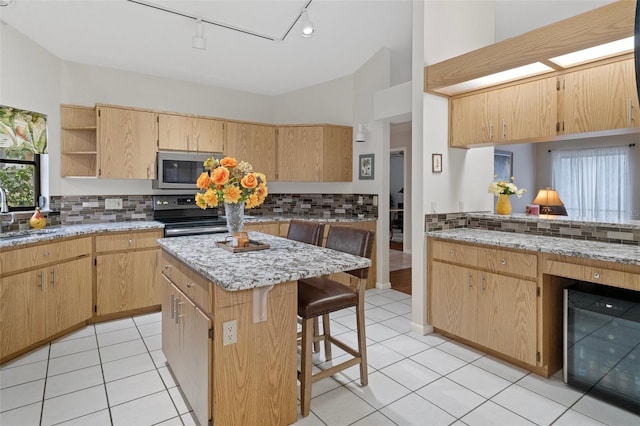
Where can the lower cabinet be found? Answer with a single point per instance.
(496, 311)
(246, 380)
(39, 303)
(127, 271)
(187, 345)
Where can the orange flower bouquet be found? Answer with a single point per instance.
(230, 182)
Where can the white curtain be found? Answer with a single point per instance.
(593, 183)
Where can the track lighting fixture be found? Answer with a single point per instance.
(199, 42)
(361, 134)
(306, 24)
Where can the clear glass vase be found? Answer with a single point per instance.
(235, 216)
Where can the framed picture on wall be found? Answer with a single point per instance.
(436, 163)
(366, 167)
(503, 165)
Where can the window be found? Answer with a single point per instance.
(593, 183)
(23, 137)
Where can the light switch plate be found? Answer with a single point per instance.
(113, 203)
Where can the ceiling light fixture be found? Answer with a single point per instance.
(306, 24)
(361, 134)
(199, 42)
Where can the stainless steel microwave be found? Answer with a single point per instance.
(180, 170)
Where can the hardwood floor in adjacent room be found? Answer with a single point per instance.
(399, 268)
(401, 280)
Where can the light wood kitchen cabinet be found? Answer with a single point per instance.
(254, 143)
(127, 271)
(48, 291)
(79, 148)
(598, 98)
(190, 133)
(127, 143)
(469, 300)
(187, 345)
(271, 228)
(513, 113)
(314, 153)
(258, 368)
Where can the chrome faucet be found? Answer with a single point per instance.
(4, 207)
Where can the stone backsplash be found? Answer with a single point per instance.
(74, 210)
(624, 233)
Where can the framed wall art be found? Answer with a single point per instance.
(366, 167)
(436, 163)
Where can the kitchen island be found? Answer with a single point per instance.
(229, 323)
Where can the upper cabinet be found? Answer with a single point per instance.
(523, 111)
(78, 138)
(127, 143)
(314, 153)
(254, 143)
(598, 98)
(187, 133)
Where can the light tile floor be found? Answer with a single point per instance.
(114, 373)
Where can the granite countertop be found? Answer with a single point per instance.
(284, 261)
(18, 238)
(262, 219)
(608, 252)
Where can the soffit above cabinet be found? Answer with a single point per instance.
(606, 24)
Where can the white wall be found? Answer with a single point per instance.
(30, 80)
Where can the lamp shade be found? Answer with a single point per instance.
(550, 202)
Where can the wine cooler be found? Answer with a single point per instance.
(602, 342)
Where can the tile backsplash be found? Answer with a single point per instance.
(73, 210)
(520, 224)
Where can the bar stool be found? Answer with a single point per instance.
(322, 295)
(306, 232)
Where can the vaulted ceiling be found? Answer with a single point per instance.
(252, 45)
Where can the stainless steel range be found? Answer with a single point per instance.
(181, 216)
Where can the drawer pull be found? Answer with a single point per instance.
(130, 242)
(189, 285)
(452, 252)
(596, 275)
(167, 266)
(469, 281)
(46, 254)
(503, 261)
(482, 283)
(41, 276)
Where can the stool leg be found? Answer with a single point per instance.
(362, 343)
(306, 365)
(316, 333)
(326, 331)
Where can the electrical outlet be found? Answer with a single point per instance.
(433, 207)
(375, 201)
(113, 203)
(229, 336)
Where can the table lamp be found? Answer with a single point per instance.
(550, 203)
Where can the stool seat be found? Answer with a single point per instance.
(319, 296)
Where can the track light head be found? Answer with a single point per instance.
(199, 42)
(306, 25)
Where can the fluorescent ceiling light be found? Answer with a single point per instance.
(593, 53)
(497, 78)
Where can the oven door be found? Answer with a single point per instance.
(180, 170)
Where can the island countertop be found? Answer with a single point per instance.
(608, 252)
(285, 260)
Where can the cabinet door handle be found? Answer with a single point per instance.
(41, 285)
(53, 277)
(173, 312)
(482, 283)
(596, 275)
(490, 130)
(469, 281)
(504, 129)
(630, 113)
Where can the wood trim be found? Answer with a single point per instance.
(605, 24)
